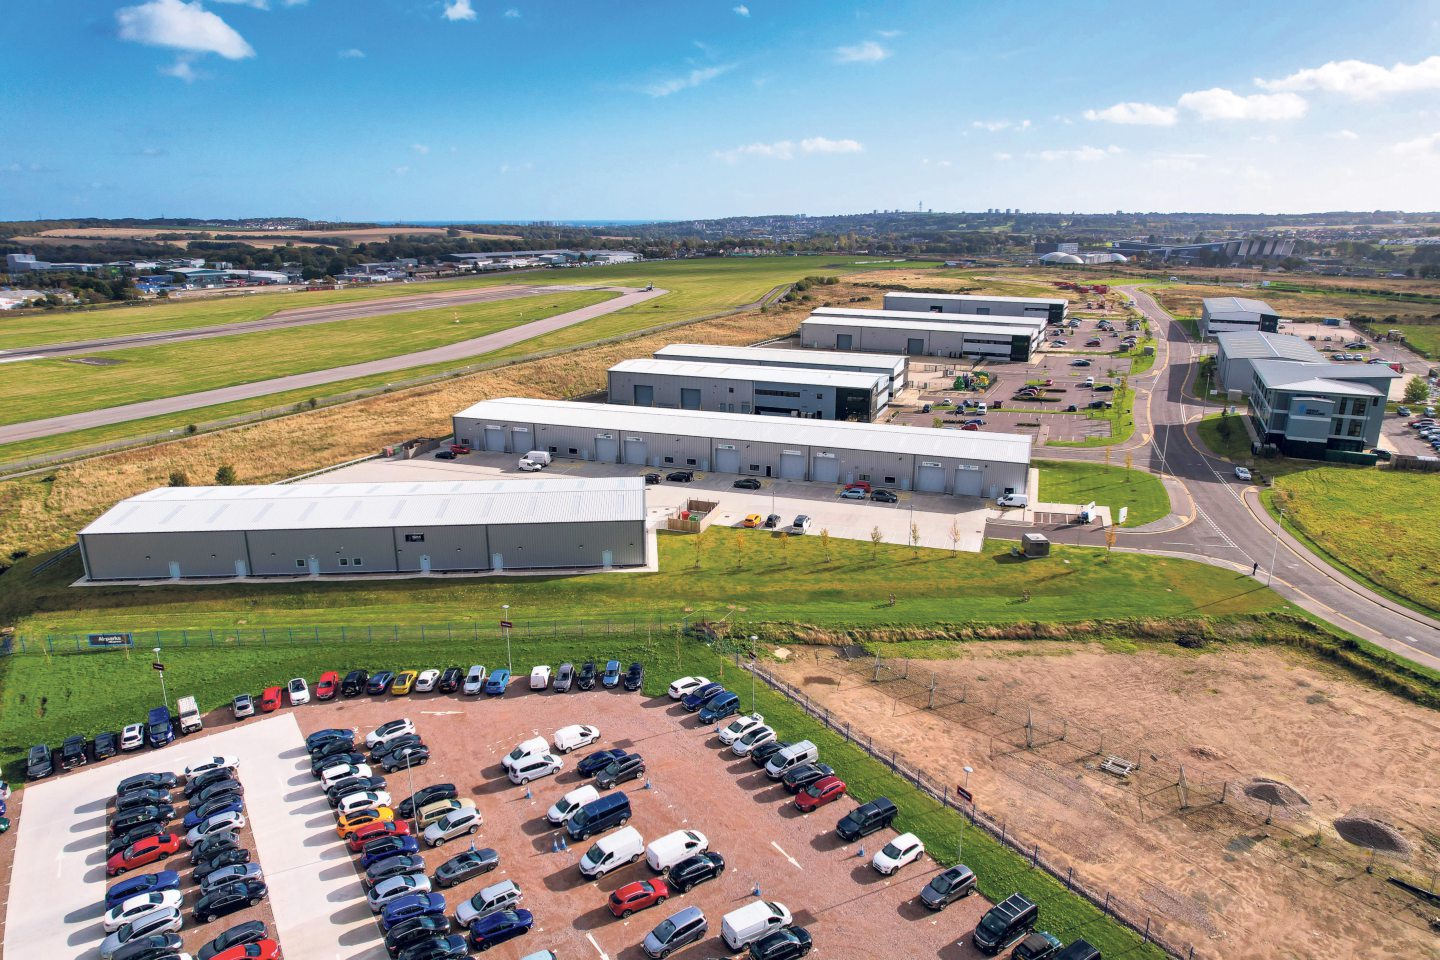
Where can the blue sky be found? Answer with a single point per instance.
(521, 109)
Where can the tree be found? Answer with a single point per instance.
(179, 478)
(937, 423)
(825, 542)
(876, 538)
(739, 550)
(915, 539)
(699, 544)
(1129, 465)
(1416, 391)
(225, 476)
(955, 532)
(784, 547)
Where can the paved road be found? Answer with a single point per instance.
(1219, 520)
(454, 352)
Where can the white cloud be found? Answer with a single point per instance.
(1217, 103)
(256, 4)
(741, 10)
(459, 10)
(1178, 162)
(1345, 135)
(1360, 80)
(514, 167)
(1428, 146)
(786, 149)
(994, 126)
(692, 79)
(181, 70)
(1086, 154)
(889, 34)
(1138, 114)
(1003, 156)
(826, 145)
(420, 148)
(511, 14)
(354, 53)
(401, 171)
(867, 51)
(181, 26)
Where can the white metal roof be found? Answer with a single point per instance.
(824, 434)
(321, 506)
(801, 376)
(798, 358)
(1323, 377)
(950, 320)
(926, 321)
(1255, 345)
(1221, 305)
(973, 298)
(1336, 387)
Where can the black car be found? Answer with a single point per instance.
(788, 944)
(329, 735)
(761, 755)
(771, 522)
(135, 834)
(695, 870)
(212, 844)
(141, 798)
(229, 857)
(635, 676)
(597, 761)
(585, 679)
(652, 478)
(866, 819)
(197, 783)
(156, 946)
(105, 746)
(451, 947)
(390, 746)
(252, 931)
(746, 483)
(450, 680)
(74, 752)
(354, 683)
(322, 763)
(228, 899)
(884, 496)
(341, 789)
(220, 788)
(415, 755)
(147, 781)
(630, 767)
(471, 863)
(424, 796)
(380, 682)
(407, 933)
(807, 773)
(125, 820)
(947, 886)
(680, 476)
(393, 867)
(332, 747)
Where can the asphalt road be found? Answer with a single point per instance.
(454, 352)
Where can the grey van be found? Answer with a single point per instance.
(597, 816)
(565, 678)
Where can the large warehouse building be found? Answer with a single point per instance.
(910, 458)
(1237, 351)
(741, 388)
(922, 334)
(1231, 314)
(891, 367)
(180, 533)
(1049, 309)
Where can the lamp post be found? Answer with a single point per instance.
(504, 629)
(1275, 549)
(160, 668)
(966, 785)
(753, 640)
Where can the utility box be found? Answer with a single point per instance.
(1036, 544)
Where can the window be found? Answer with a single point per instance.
(732, 389)
(357, 562)
(889, 479)
(299, 563)
(791, 394)
(344, 562)
(865, 477)
(669, 459)
(574, 452)
(936, 309)
(755, 467)
(982, 311)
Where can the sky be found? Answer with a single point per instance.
(678, 109)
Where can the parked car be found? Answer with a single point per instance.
(595, 762)
(471, 863)
(416, 755)
(496, 683)
(634, 897)
(426, 680)
(866, 819)
(339, 773)
(132, 737)
(676, 931)
(1004, 923)
(147, 781)
(118, 893)
(424, 797)
(685, 686)
(138, 906)
(452, 946)
(141, 798)
(229, 899)
(331, 759)
(535, 767)
(379, 682)
(153, 946)
(738, 727)
(673, 848)
(1038, 945)
(375, 831)
(947, 886)
(771, 521)
(852, 493)
(564, 678)
(299, 691)
(392, 867)
(221, 822)
(499, 927)
(463, 820)
(389, 890)
(142, 852)
(820, 793)
(105, 745)
(696, 698)
(450, 680)
(884, 496)
(804, 775)
(575, 736)
(1241, 473)
(635, 677)
(786, 944)
(415, 905)
(379, 754)
(416, 930)
(354, 683)
(348, 824)
(652, 478)
(760, 754)
(228, 857)
(201, 812)
(585, 678)
(230, 873)
(161, 921)
(383, 847)
(695, 870)
(474, 681)
(388, 731)
(203, 765)
(504, 895)
(270, 700)
(746, 483)
(243, 706)
(720, 706)
(800, 526)
(629, 767)
(906, 848)
(403, 683)
(680, 476)
(212, 845)
(751, 739)
(752, 520)
(540, 677)
(124, 820)
(327, 686)
(612, 674)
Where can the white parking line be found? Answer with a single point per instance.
(603, 954)
(793, 862)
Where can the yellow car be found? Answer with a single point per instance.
(434, 811)
(404, 683)
(354, 821)
(753, 520)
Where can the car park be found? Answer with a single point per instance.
(74, 752)
(320, 738)
(426, 681)
(424, 797)
(751, 739)
(243, 706)
(131, 817)
(201, 766)
(1003, 924)
(233, 820)
(1038, 945)
(904, 849)
(884, 496)
(634, 677)
(575, 736)
(415, 905)
(786, 944)
(349, 823)
(598, 815)
(141, 798)
(388, 731)
(344, 755)
(474, 681)
(612, 674)
(695, 870)
(341, 772)
(676, 931)
(410, 755)
(224, 787)
(685, 686)
(804, 775)
(139, 906)
(142, 852)
(629, 767)
(746, 483)
(229, 899)
(403, 683)
(526, 749)
(134, 835)
(298, 691)
(395, 866)
(564, 678)
(789, 757)
(465, 866)
(354, 683)
(154, 946)
(567, 806)
(585, 679)
(464, 819)
(673, 848)
(611, 852)
(496, 683)
(200, 781)
(199, 813)
(231, 873)
(680, 476)
(852, 493)
(866, 819)
(540, 677)
(212, 845)
(536, 767)
(161, 921)
(124, 890)
(738, 727)
(270, 700)
(372, 831)
(640, 895)
(720, 706)
(820, 793)
(947, 886)
(365, 800)
(379, 682)
(132, 737)
(408, 933)
(450, 680)
(696, 698)
(505, 895)
(389, 890)
(327, 686)
(383, 847)
(499, 927)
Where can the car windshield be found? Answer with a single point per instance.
(945, 882)
(594, 854)
(665, 930)
(993, 923)
(815, 790)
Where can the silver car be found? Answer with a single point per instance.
(231, 874)
(687, 926)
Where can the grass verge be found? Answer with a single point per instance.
(1226, 437)
(1071, 481)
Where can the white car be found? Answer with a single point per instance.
(365, 800)
(299, 691)
(389, 731)
(525, 751)
(535, 767)
(904, 849)
(738, 727)
(751, 740)
(427, 680)
(229, 820)
(132, 737)
(206, 764)
(136, 907)
(393, 888)
(800, 526)
(685, 686)
(1242, 473)
(475, 681)
(243, 706)
(161, 921)
(465, 819)
(540, 678)
(333, 775)
(530, 466)
(574, 736)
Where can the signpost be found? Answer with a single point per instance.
(159, 668)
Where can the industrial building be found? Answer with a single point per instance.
(301, 530)
(1239, 349)
(962, 463)
(1211, 252)
(892, 367)
(1230, 314)
(1311, 409)
(741, 388)
(1049, 309)
(922, 334)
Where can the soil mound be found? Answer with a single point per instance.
(1373, 834)
(1275, 792)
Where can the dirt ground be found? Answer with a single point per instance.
(1216, 874)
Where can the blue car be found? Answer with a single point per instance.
(499, 927)
(496, 683)
(380, 682)
(598, 761)
(198, 815)
(719, 707)
(412, 905)
(382, 848)
(612, 673)
(694, 701)
(158, 729)
(135, 886)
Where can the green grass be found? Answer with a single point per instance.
(1070, 481)
(55, 387)
(1424, 337)
(1232, 442)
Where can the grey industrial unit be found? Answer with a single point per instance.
(1239, 349)
(892, 367)
(741, 388)
(911, 458)
(1306, 409)
(181, 533)
(1049, 309)
(921, 335)
(1229, 314)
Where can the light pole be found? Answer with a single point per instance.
(1275, 550)
(414, 807)
(966, 785)
(753, 640)
(505, 629)
(160, 668)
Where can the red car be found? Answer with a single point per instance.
(328, 686)
(820, 793)
(459, 448)
(141, 852)
(858, 485)
(259, 950)
(270, 700)
(379, 828)
(637, 896)
(971, 426)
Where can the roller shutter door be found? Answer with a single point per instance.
(969, 483)
(930, 478)
(727, 461)
(607, 449)
(792, 465)
(635, 451)
(824, 469)
(495, 439)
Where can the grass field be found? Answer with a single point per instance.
(1372, 524)
(1226, 437)
(1068, 481)
(1424, 337)
(1183, 300)
(54, 387)
(1121, 417)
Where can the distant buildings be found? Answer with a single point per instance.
(1231, 314)
(919, 333)
(1225, 251)
(11, 299)
(26, 263)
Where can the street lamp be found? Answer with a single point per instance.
(504, 629)
(753, 640)
(1274, 550)
(968, 770)
(161, 670)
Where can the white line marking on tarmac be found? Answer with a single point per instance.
(603, 954)
(795, 863)
(441, 713)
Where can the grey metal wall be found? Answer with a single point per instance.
(937, 343)
(449, 548)
(921, 303)
(147, 556)
(274, 552)
(729, 396)
(569, 544)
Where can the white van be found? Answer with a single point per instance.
(530, 466)
(531, 748)
(538, 456)
(621, 847)
(670, 849)
(189, 715)
(1012, 500)
(790, 758)
(570, 804)
(981, 408)
(575, 736)
(540, 678)
(756, 919)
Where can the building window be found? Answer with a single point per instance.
(574, 452)
(344, 562)
(788, 394)
(299, 563)
(357, 562)
(732, 389)
(754, 468)
(414, 538)
(889, 479)
(690, 462)
(669, 459)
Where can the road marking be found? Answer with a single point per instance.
(795, 863)
(603, 954)
(441, 713)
